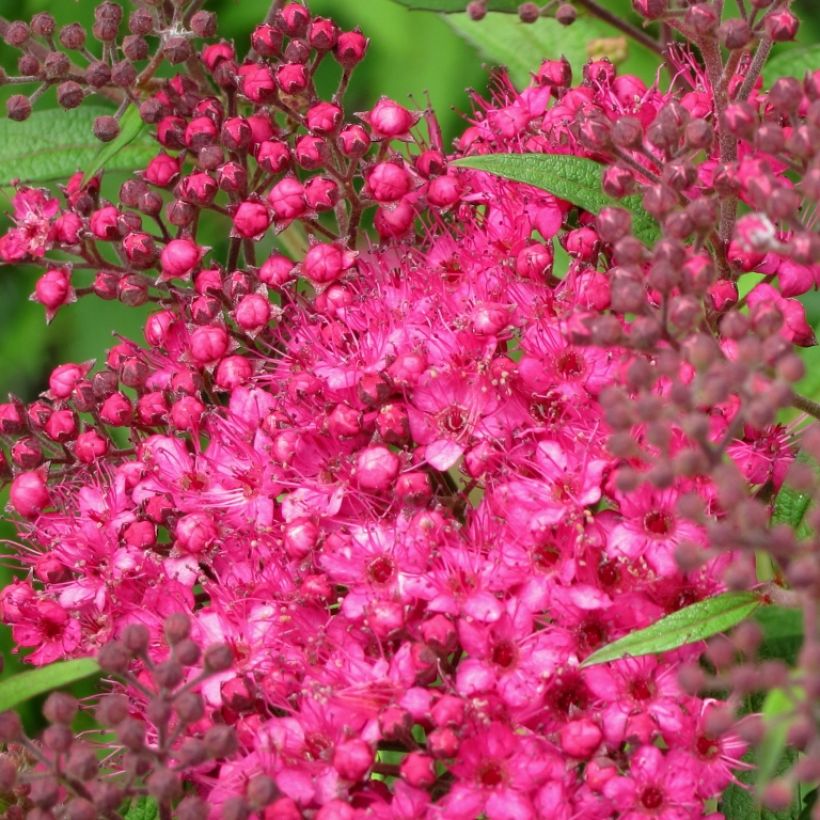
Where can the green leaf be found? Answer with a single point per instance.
(454, 6)
(24, 685)
(575, 179)
(141, 808)
(778, 710)
(53, 144)
(792, 62)
(503, 40)
(687, 625)
(131, 126)
(791, 506)
(782, 633)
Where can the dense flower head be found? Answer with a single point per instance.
(383, 495)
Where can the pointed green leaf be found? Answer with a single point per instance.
(131, 126)
(792, 62)
(24, 685)
(575, 179)
(687, 625)
(454, 6)
(54, 144)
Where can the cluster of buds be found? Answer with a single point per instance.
(64, 775)
(415, 474)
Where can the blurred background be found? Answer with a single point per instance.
(412, 55)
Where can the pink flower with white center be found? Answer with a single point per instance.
(657, 785)
(652, 529)
(498, 772)
(446, 411)
(34, 213)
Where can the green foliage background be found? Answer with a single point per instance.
(413, 56)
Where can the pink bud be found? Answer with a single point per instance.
(162, 170)
(353, 141)
(393, 221)
(273, 156)
(233, 371)
(583, 244)
(393, 423)
(179, 258)
(187, 412)
(490, 318)
(208, 343)
(419, 770)
(321, 193)
(53, 290)
(29, 494)
(292, 78)
(266, 41)
(344, 421)
(116, 410)
(388, 182)
(216, 53)
(376, 468)
(252, 313)
(387, 119)
(139, 249)
(350, 48)
(251, 219)
(310, 152)
(325, 263)
(61, 426)
(442, 743)
(439, 633)
(414, 488)
(323, 118)
(322, 34)
(152, 408)
(534, 261)
(26, 453)
(257, 83)
(157, 326)
(11, 418)
(276, 271)
(781, 25)
(198, 188)
(352, 759)
(723, 294)
(64, 377)
(287, 198)
(67, 228)
(580, 738)
(104, 223)
(300, 537)
(443, 191)
(195, 532)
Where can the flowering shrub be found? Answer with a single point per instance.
(350, 527)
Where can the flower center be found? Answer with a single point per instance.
(640, 690)
(569, 364)
(652, 797)
(453, 419)
(380, 570)
(504, 654)
(545, 556)
(490, 774)
(707, 747)
(658, 523)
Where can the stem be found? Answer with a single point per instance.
(758, 61)
(627, 28)
(808, 406)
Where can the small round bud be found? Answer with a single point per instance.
(528, 12)
(135, 638)
(565, 14)
(106, 128)
(17, 33)
(203, 24)
(114, 657)
(70, 94)
(218, 658)
(18, 107)
(220, 741)
(60, 707)
(43, 24)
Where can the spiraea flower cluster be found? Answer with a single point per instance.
(406, 469)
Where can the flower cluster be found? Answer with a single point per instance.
(414, 471)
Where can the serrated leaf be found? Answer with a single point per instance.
(778, 709)
(141, 808)
(24, 685)
(455, 6)
(575, 179)
(131, 126)
(688, 625)
(792, 62)
(54, 144)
